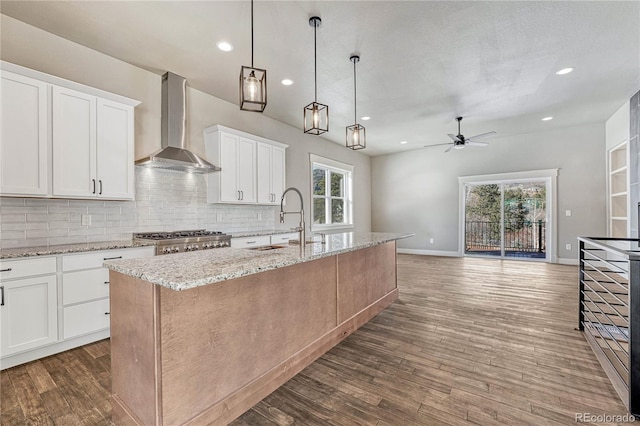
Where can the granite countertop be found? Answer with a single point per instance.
(182, 271)
(14, 253)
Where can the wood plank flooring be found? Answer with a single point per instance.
(471, 341)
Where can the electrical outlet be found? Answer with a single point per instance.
(567, 246)
(259, 217)
(430, 240)
(85, 219)
(567, 212)
(219, 217)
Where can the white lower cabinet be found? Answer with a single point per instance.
(284, 238)
(248, 242)
(86, 318)
(55, 303)
(28, 313)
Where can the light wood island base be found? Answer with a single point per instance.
(208, 354)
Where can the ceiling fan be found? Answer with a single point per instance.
(459, 141)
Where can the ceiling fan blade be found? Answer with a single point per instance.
(480, 136)
(454, 137)
(450, 148)
(472, 143)
(438, 144)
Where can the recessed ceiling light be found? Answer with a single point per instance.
(403, 142)
(224, 46)
(547, 118)
(365, 118)
(564, 71)
(287, 82)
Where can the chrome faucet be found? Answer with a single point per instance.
(300, 228)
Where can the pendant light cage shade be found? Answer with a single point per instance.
(253, 89)
(316, 118)
(356, 137)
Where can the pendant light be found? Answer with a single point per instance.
(253, 83)
(356, 133)
(316, 115)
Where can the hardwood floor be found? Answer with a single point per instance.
(471, 341)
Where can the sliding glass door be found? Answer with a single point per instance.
(506, 219)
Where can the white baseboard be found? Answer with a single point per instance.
(429, 252)
(568, 261)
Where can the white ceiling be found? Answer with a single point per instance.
(422, 62)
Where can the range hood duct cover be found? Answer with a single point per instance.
(173, 155)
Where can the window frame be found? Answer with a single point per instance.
(329, 165)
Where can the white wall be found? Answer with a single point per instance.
(417, 191)
(31, 47)
(617, 127)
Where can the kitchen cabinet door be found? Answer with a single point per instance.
(270, 173)
(28, 314)
(24, 138)
(263, 170)
(277, 173)
(115, 169)
(247, 170)
(74, 143)
(228, 162)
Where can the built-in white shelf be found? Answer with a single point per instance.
(618, 199)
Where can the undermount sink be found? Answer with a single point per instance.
(265, 248)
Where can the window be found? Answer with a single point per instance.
(331, 191)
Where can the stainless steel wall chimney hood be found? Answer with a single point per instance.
(173, 155)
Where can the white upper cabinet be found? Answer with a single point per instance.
(24, 138)
(86, 151)
(115, 150)
(247, 163)
(74, 143)
(270, 173)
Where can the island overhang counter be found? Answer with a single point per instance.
(199, 338)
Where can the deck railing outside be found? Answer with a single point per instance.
(521, 236)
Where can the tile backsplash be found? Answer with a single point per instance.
(165, 201)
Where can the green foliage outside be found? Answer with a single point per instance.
(335, 197)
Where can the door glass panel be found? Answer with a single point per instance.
(482, 220)
(524, 219)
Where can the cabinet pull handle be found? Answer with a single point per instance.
(107, 313)
(5, 270)
(112, 258)
(242, 195)
(100, 182)
(250, 242)
(106, 282)
(238, 196)
(1, 295)
(94, 185)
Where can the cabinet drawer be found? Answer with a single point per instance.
(250, 242)
(27, 267)
(95, 259)
(284, 238)
(86, 318)
(81, 286)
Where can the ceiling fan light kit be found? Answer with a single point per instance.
(316, 115)
(356, 133)
(253, 83)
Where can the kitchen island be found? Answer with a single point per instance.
(199, 338)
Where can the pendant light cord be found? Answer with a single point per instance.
(315, 60)
(251, 33)
(355, 93)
